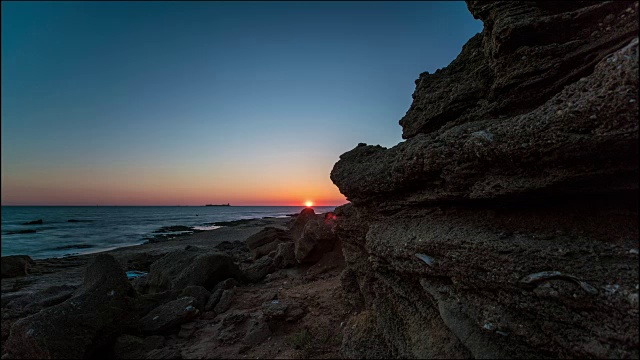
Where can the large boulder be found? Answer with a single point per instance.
(192, 266)
(213, 299)
(169, 316)
(266, 241)
(147, 302)
(297, 225)
(16, 265)
(317, 239)
(225, 301)
(197, 292)
(88, 321)
(259, 269)
(34, 302)
(285, 255)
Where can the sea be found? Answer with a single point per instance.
(101, 228)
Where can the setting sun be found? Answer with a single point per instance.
(308, 204)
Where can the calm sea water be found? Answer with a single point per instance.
(107, 227)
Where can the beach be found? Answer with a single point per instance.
(69, 270)
(311, 290)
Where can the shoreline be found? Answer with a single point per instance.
(69, 270)
(160, 234)
(275, 304)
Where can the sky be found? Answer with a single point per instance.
(188, 103)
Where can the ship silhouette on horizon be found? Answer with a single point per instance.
(227, 204)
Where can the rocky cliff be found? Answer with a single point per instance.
(505, 224)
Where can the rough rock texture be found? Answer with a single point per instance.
(258, 270)
(199, 293)
(213, 299)
(147, 302)
(572, 144)
(525, 55)
(225, 301)
(15, 265)
(257, 330)
(317, 238)
(89, 320)
(298, 224)
(169, 315)
(505, 225)
(362, 339)
(50, 296)
(192, 266)
(266, 241)
(285, 255)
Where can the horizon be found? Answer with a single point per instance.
(304, 206)
(162, 103)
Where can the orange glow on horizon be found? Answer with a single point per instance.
(167, 187)
(308, 204)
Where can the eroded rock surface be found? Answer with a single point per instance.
(191, 266)
(505, 225)
(89, 320)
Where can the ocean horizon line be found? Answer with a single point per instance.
(168, 205)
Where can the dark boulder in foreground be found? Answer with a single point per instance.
(192, 266)
(298, 224)
(81, 325)
(258, 270)
(169, 315)
(33, 302)
(285, 255)
(266, 241)
(199, 293)
(16, 265)
(317, 239)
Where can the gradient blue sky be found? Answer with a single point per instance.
(185, 103)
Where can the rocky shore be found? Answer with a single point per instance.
(260, 288)
(505, 226)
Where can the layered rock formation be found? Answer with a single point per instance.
(505, 225)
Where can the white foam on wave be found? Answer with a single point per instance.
(206, 227)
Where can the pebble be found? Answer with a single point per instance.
(489, 326)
